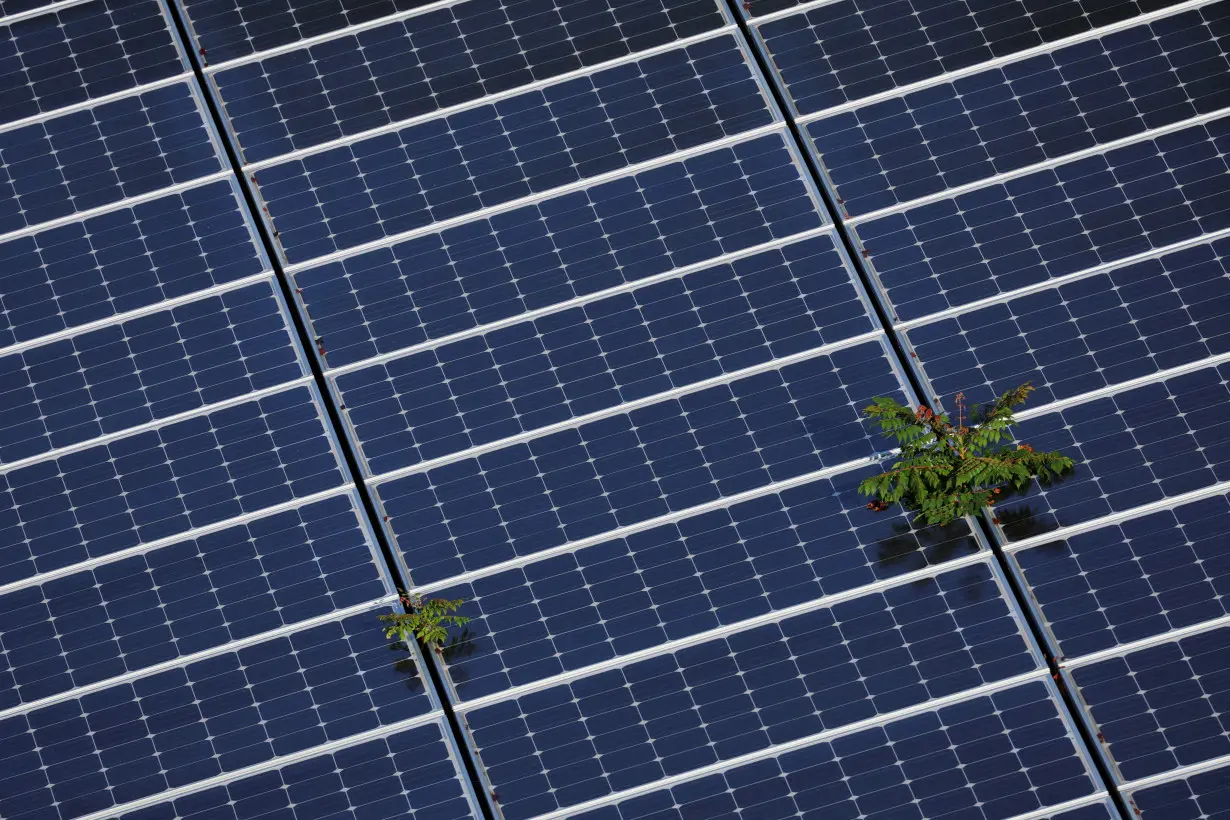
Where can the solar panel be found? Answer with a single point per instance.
(86, 159)
(1163, 706)
(1133, 580)
(190, 596)
(587, 359)
(161, 482)
(991, 756)
(220, 714)
(83, 52)
(431, 61)
(131, 373)
(1133, 447)
(1109, 327)
(1203, 794)
(540, 255)
(125, 259)
(1058, 103)
(412, 773)
(680, 579)
(632, 467)
(1103, 208)
(846, 51)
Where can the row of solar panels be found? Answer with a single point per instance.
(510, 463)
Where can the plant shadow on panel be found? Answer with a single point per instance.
(427, 621)
(946, 470)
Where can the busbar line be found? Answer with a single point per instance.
(1180, 773)
(187, 535)
(129, 202)
(628, 407)
(184, 660)
(670, 647)
(999, 62)
(1118, 518)
(632, 529)
(1144, 643)
(1130, 384)
(137, 313)
(800, 743)
(227, 778)
(480, 102)
(50, 8)
(1060, 281)
(533, 199)
(1007, 176)
(60, 452)
(575, 302)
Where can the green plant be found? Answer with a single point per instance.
(946, 470)
(427, 620)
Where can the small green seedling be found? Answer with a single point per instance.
(946, 470)
(427, 620)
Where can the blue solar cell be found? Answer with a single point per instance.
(224, 29)
(411, 774)
(845, 51)
(145, 369)
(1095, 332)
(346, 212)
(435, 60)
(123, 260)
(188, 597)
(165, 481)
(986, 758)
(683, 578)
(1047, 106)
(9, 8)
(585, 359)
(82, 53)
(217, 715)
(543, 254)
(1099, 209)
(486, 156)
(1131, 448)
(90, 158)
(631, 467)
(1201, 796)
(1132, 580)
(1162, 707)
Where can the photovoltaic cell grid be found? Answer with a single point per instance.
(411, 774)
(90, 158)
(529, 144)
(680, 579)
(217, 715)
(162, 482)
(1100, 209)
(845, 51)
(1069, 100)
(586, 359)
(571, 245)
(154, 366)
(1161, 707)
(188, 597)
(431, 61)
(1201, 795)
(1104, 329)
(125, 259)
(749, 691)
(635, 466)
(82, 53)
(992, 757)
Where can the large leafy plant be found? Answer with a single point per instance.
(946, 470)
(427, 620)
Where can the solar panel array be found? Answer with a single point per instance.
(569, 310)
